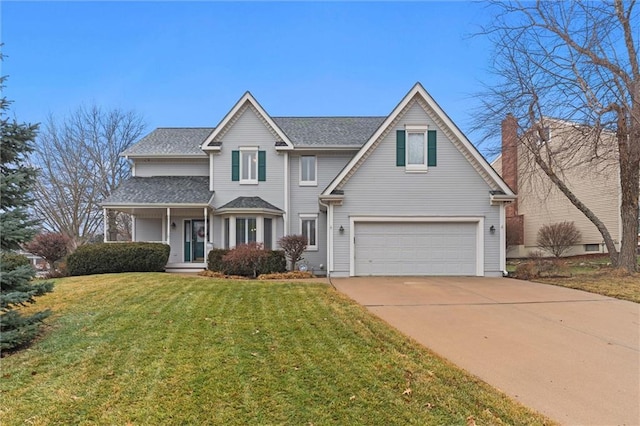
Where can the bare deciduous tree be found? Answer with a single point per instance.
(577, 62)
(80, 165)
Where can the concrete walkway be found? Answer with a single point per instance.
(571, 355)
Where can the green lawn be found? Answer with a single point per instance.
(151, 349)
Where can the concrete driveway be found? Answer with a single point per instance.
(571, 355)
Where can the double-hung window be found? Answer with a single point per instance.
(309, 228)
(416, 150)
(249, 165)
(308, 172)
(246, 230)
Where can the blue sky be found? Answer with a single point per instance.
(184, 64)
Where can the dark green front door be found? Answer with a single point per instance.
(197, 238)
(194, 238)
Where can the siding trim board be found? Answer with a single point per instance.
(478, 220)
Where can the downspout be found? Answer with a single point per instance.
(329, 239)
(285, 216)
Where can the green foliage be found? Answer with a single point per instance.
(214, 260)
(121, 257)
(16, 181)
(273, 261)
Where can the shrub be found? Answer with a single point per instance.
(274, 262)
(10, 261)
(244, 259)
(50, 246)
(214, 260)
(293, 247)
(120, 257)
(557, 238)
(527, 270)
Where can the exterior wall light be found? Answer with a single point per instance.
(492, 229)
(341, 229)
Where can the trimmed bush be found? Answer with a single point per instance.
(214, 260)
(274, 261)
(10, 261)
(121, 257)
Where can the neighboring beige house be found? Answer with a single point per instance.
(590, 174)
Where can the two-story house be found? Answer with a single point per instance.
(586, 161)
(405, 194)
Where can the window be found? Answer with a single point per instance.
(249, 165)
(592, 247)
(268, 233)
(416, 148)
(246, 230)
(308, 170)
(309, 228)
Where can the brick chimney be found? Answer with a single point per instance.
(510, 159)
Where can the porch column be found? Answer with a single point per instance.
(105, 225)
(133, 227)
(206, 230)
(169, 226)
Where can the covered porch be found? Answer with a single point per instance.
(176, 211)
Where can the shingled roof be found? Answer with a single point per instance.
(161, 190)
(241, 203)
(348, 132)
(165, 141)
(329, 131)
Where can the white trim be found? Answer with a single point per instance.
(133, 169)
(330, 238)
(211, 171)
(418, 130)
(253, 150)
(419, 90)
(503, 238)
(310, 216)
(247, 97)
(285, 215)
(105, 225)
(169, 226)
(313, 182)
(133, 227)
(479, 220)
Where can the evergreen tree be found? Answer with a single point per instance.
(16, 274)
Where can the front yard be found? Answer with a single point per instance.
(167, 349)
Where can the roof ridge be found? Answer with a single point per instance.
(330, 116)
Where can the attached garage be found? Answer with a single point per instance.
(416, 246)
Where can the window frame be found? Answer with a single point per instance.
(253, 172)
(247, 229)
(417, 129)
(310, 218)
(313, 182)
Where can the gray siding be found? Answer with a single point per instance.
(171, 167)
(380, 188)
(304, 199)
(248, 131)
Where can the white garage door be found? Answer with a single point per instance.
(415, 248)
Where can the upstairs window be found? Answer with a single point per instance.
(248, 165)
(308, 175)
(416, 148)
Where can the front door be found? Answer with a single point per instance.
(194, 238)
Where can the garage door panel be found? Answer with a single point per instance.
(388, 248)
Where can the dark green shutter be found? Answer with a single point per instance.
(400, 148)
(262, 166)
(432, 158)
(235, 165)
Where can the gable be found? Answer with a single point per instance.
(246, 103)
(431, 114)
